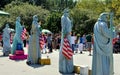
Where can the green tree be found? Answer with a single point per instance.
(79, 21)
(5, 2)
(86, 13)
(54, 22)
(53, 5)
(115, 7)
(26, 11)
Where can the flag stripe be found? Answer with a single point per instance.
(41, 41)
(66, 49)
(23, 34)
(66, 55)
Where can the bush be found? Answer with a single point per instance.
(25, 11)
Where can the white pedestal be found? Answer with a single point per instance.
(84, 70)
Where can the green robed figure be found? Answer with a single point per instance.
(65, 65)
(34, 53)
(102, 63)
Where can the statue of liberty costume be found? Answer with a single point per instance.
(102, 63)
(17, 37)
(6, 40)
(65, 65)
(34, 53)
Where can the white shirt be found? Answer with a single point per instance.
(73, 38)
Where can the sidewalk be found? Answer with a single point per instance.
(11, 67)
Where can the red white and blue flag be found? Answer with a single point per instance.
(67, 50)
(23, 36)
(41, 41)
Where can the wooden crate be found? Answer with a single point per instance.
(44, 61)
(89, 72)
(77, 69)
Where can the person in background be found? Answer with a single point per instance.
(76, 45)
(43, 43)
(49, 42)
(81, 44)
(89, 43)
(84, 42)
(58, 41)
(73, 38)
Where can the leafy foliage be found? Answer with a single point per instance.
(54, 22)
(26, 11)
(84, 13)
(52, 5)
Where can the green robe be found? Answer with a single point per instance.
(34, 52)
(102, 63)
(65, 65)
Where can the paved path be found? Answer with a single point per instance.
(11, 67)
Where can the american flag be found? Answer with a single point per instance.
(23, 36)
(41, 41)
(67, 50)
